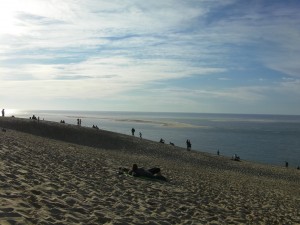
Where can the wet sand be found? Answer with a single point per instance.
(53, 173)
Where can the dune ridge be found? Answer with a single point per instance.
(53, 173)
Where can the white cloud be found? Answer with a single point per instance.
(94, 78)
(98, 48)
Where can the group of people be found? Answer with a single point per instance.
(79, 122)
(235, 157)
(133, 131)
(95, 127)
(34, 118)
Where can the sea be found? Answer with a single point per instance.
(267, 139)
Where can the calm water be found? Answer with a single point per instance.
(270, 139)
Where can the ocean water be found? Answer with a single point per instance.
(268, 139)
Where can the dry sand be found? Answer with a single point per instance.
(54, 173)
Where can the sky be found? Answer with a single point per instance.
(203, 56)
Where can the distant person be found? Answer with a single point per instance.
(162, 141)
(3, 112)
(286, 164)
(188, 145)
(298, 168)
(132, 131)
(140, 135)
(218, 152)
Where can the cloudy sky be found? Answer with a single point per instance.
(219, 56)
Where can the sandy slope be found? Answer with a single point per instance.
(72, 179)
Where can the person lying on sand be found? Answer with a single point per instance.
(141, 172)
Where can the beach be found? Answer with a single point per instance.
(52, 173)
(267, 139)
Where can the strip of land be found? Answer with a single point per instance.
(52, 173)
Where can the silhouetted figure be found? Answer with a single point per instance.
(140, 135)
(3, 112)
(151, 173)
(95, 127)
(218, 152)
(286, 164)
(298, 168)
(33, 117)
(162, 141)
(132, 131)
(171, 143)
(188, 145)
(235, 157)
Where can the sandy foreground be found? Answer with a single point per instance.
(53, 173)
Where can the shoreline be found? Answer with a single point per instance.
(271, 144)
(53, 173)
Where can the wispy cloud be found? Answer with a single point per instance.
(95, 49)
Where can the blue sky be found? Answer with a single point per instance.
(219, 56)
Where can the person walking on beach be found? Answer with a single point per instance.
(141, 135)
(132, 131)
(286, 164)
(3, 112)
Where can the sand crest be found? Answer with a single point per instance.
(63, 174)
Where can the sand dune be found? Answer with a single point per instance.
(54, 173)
